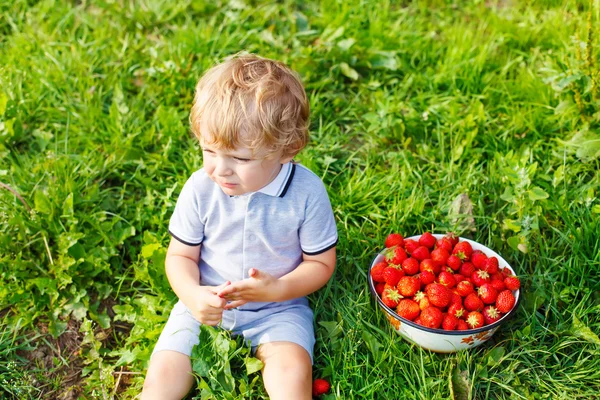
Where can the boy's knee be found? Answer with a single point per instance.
(167, 378)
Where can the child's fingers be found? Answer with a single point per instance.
(235, 304)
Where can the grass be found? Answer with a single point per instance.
(413, 105)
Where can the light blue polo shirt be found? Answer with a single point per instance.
(268, 229)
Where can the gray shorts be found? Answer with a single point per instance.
(290, 323)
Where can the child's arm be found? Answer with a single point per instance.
(311, 275)
(181, 266)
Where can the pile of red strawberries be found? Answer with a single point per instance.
(443, 284)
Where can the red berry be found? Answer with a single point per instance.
(410, 266)
(447, 279)
(480, 277)
(438, 295)
(454, 262)
(478, 258)
(377, 271)
(431, 317)
(410, 245)
(467, 269)
(409, 285)
(379, 286)
(390, 297)
(498, 284)
(392, 275)
(487, 293)
(440, 256)
(465, 288)
(427, 240)
(449, 323)
(475, 319)
(408, 309)
(505, 301)
(463, 250)
(452, 237)
(429, 265)
(491, 265)
(427, 277)
(445, 244)
(320, 386)
(395, 255)
(491, 314)
(512, 282)
(472, 302)
(462, 325)
(420, 253)
(457, 310)
(394, 239)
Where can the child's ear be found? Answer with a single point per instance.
(286, 159)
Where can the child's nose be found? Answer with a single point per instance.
(222, 168)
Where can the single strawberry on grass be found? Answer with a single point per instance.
(320, 387)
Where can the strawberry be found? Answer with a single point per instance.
(319, 387)
(427, 240)
(410, 245)
(422, 299)
(392, 275)
(420, 253)
(505, 301)
(447, 279)
(487, 293)
(377, 271)
(506, 272)
(491, 314)
(452, 237)
(475, 319)
(467, 269)
(478, 258)
(480, 277)
(440, 256)
(379, 286)
(418, 320)
(409, 285)
(498, 284)
(491, 265)
(439, 295)
(395, 255)
(426, 277)
(462, 325)
(410, 266)
(472, 302)
(394, 239)
(449, 323)
(457, 310)
(456, 299)
(512, 283)
(431, 317)
(465, 288)
(390, 297)
(429, 265)
(458, 278)
(408, 309)
(445, 244)
(463, 250)
(454, 262)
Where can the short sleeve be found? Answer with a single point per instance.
(318, 232)
(186, 225)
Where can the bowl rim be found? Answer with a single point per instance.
(484, 328)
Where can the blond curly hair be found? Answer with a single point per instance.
(252, 101)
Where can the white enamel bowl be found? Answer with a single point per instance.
(439, 340)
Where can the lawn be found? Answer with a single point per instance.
(479, 117)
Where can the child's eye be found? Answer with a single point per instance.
(242, 159)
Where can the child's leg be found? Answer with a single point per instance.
(169, 376)
(287, 371)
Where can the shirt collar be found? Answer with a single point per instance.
(279, 186)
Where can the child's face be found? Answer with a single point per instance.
(236, 171)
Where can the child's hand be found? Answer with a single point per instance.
(206, 305)
(261, 286)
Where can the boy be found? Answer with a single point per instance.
(253, 233)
